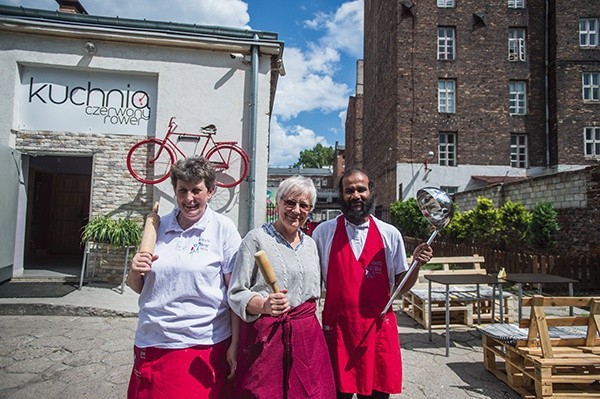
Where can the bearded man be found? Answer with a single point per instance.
(362, 258)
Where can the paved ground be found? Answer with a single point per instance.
(53, 355)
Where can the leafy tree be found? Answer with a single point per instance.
(514, 221)
(407, 217)
(544, 226)
(482, 223)
(317, 157)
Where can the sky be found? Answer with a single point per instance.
(323, 40)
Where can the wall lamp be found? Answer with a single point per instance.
(428, 158)
(90, 48)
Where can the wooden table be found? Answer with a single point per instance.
(463, 279)
(538, 278)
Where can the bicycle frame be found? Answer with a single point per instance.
(229, 160)
(173, 145)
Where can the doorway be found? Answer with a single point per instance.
(58, 204)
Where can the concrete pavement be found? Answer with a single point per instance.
(80, 346)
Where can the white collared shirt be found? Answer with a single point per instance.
(395, 253)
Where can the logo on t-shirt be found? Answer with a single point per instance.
(374, 269)
(201, 245)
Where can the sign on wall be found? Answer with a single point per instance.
(96, 102)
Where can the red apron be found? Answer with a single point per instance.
(364, 348)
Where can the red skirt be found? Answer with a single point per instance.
(284, 357)
(197, 372)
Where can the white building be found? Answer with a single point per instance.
(78, 91)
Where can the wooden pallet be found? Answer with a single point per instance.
(547, 357)
(463, 307)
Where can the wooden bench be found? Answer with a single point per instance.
(548, 356)
(463, 306)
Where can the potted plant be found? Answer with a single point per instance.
(108, 240)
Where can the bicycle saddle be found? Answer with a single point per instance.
(210, 129)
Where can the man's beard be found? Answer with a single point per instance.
(357, 215)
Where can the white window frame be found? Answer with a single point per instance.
(449, 189)
(516, 3)
(447, 96)
(591, 141)
(518, 151)
(446, 43)
(516, 44)
(588, 32)
(447, 149)
(590, 86)
(445, 3)
(517, 97)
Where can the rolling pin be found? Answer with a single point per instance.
(266, 269)
(150, 231)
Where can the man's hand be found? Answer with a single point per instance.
(422, 253)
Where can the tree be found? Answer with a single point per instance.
(407, 217)
(317, 157)
(544, 226)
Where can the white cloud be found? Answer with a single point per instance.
(344, 28)
(287, 142)
(232, 13)
(305, 87)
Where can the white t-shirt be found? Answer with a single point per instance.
(395, 254)
(183, 301)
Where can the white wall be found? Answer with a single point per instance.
(198, 87)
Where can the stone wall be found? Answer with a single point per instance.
(114, 192)
(575, 195)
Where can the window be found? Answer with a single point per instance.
(516, 44)
(591, 140)
(517, 98)
(449, 189)
(445, 3)
(446, 95)
(446, 43)
(516, 3)
(518, 150)
(591, 86)
(447, 150)
(588, 32)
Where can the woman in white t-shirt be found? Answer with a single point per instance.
(183, 344)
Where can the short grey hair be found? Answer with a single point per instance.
(297, 184)
(194, 170)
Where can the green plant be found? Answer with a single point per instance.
(514, 221)
(118, 232)
(407, 217)
(544, 226)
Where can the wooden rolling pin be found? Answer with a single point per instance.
(150, 231)
(266, 269)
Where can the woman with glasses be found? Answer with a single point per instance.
(282, 351)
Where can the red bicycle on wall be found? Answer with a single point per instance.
(150, 160)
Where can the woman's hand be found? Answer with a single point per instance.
(232, 360)
(142, 263)
(276, 304)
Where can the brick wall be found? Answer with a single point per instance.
(575, 196)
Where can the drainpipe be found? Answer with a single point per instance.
(546, 94)
(253, 128)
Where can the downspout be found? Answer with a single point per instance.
(253, 128)
(546, 94)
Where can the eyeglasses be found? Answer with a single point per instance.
(291, 204)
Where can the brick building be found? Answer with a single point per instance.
(457, 93)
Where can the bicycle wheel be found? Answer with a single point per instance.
(230, 162)
(143, 164)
